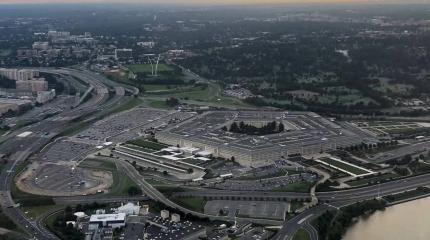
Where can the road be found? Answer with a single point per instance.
(20, 149)
(302, 220)
(158, 196)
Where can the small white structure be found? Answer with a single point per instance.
(97, 221)
(144, 210)
(204, 154)
(176, 217)
(24, 134)
(100, 211)
(165, 214)
(80, 215)
(129, 209)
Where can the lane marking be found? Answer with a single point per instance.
(305, 218)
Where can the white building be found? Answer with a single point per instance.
(164, 214)
(18, 75)
(97, 221)
(146, 44)
(129, 209)
(41, 46)
(45, 96)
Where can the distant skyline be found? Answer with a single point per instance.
(210, 2)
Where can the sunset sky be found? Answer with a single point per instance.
(211, 2)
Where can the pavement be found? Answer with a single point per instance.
(21, 148)
(302, 220)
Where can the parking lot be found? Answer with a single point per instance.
(252, 209)
(58, 180)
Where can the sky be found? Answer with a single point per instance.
(210, 2)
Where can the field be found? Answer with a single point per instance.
(192, 203)
(343, 166)
(366, 181)
(132, 103)
(408, 194)
(121, 182)
(146, 68)
(34, 212)
(148, 144)
(301, 234)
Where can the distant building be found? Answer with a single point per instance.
(123, 54)
(42, 46)
(55, 34)
(98, 221)
(45, 96)
(32, 86)
(18, 75)
(7, 104)
(146, 44)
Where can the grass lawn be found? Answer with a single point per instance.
(365, 181)
(407, 195)
(132, 103)
(301, 234)
(139, 148)
(196, 94)
(36, 211)
(148, 144)
(294, 205)
(7, 223)
(192, 203)
(121, 182)
(155, 182)
(157, 87)
(168, 190)
(158, 104)
(295, 187)
(344, 166)
(146, 68)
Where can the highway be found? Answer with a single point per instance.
(337, 198)
(158, 196)
(301, 221)
(20, 149)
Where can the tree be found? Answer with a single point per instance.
(234, 127)
(190, 170)
(172, 102)
(281, 127)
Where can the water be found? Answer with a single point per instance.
(406, 221)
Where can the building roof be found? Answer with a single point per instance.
(107, 217)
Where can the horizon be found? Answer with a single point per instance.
(218, 3)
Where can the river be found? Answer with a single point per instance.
(406, 221)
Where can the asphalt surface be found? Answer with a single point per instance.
(158, 196)
(302, 220)
(22, 148)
